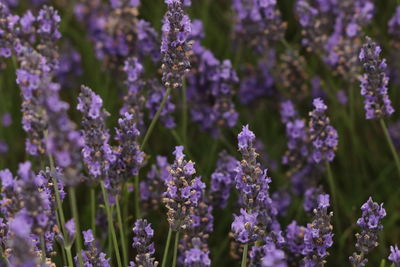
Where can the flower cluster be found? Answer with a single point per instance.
(258, 22)
(394, 256)
(142, 242)
(175, 45)
(92, 256)
(367, 239)
(374, 82)
(222, 179)
(152, 188)
(97, 153)
(323, 136)
(257, 214)
(318, 236)
(210, 91)
(182, 195)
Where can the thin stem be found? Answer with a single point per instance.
(175, 249)
(93, 208)
(184, 114)
(43, 247)
(74, 208)
(391, 145)
(110, 224)
(244, 257)
(122, 234)
(137, 198)
(383, 263)
(165, 256)
(334, 197)
(154, 121)
(69, 256)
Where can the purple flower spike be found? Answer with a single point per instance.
(222, 179)
(318, 236)
(258, 214)
(92, 256)
(374, 82)
(394, 256)
(175, 46)
(367, 239)
(97, 153)
(182, 195)
(142, 242)
(323, 136)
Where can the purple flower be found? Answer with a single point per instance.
(210, 91)
(257, 210)
(318, 236)
(152, 188)
(323, 136)
(92, 256)
(394, 256)
(367, 239)
(97, 153)
(6, 119)
(222, 179)
(294, 236)
(196, 256)
(181, 195)
(175, 46)
(142, 242)
(253, 18)
(374, 82)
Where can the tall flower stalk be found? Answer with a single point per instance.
(374, 89)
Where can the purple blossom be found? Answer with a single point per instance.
(92, 256)
(222, 179)
(197, 257)
(6, 119)
(258, 22)
(133, 100)
(97, 153)
(175, 46)
(294, 236)
(142, 242)
(210, 92)
(367, 239)
(153, 187)
(318, 236)
(323, 136)
(374, 82)
(181, 195)
(394, 256)
(257, 210)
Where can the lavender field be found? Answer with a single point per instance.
(196, 133)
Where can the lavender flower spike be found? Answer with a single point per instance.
(97, 153)
(92, 256)
(175, 46)
(181, 196)
(318, 236)
(257, 214)
(367, 239)
(142, 242)
(323, 136)
(374, 82)
(394, 256)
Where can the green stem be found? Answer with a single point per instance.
(111, 225)
(175, 249)
(43, 247)
(165, 256)
(184, 114)
(69, 256)
(137, 198)
(154, 121)
(390, 142)
(244, 257)
(334, 197)
(93, 208)
(383, 263)
(122, 234)
(74, 208)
